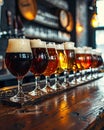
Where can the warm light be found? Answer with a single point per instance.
(29, 15)
(79, 28)
(63, 61)
(1, 2)
(28, 8)
(94, 20)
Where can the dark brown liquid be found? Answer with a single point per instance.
(40, 60)
(52, 63)
(94, 61)
(18, 63)
(100, 61)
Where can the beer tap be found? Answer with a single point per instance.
(10, 24)
(1, 4)
(15, 25)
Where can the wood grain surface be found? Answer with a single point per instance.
(80, 108)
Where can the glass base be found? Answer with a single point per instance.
(57, 86)
(66, 84)
(37, 92)
(21, 99)
(74, 82)
(80, 80)
(48, 89)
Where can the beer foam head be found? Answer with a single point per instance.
(87, 50)
(18, 45)
(37, 43)
(79, 50)
(59, 46)
(69, 45)
(96, 52)
(51, 45)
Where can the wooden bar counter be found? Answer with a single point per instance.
(80, 108)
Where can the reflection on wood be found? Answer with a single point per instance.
(80, 108)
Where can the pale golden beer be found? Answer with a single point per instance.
(63, 63)
(70, 52)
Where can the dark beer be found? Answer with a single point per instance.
(18, 63)
(18, 56)
(40, 57)
(100, 61)
(94, 62)
(39, 63)
(40, 60)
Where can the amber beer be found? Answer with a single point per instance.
(53, 60)
(70, 52)
(86, 58)
(63, 63)
(40, 57)
(18, 57)
(79, 56)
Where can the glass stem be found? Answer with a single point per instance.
(46, 77)
(36, 82)
(20, 90)
(47, 81)
(75, 77)
(65, 76)
(80, 75)
(91, 73)
(56, 79)
(86, 75)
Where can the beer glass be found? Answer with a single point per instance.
(70, 53)
(97, 61)
(39, 63)
(94, 58)
(100, 59)
(62, 65)
(79, 55)
(94, 62)
(74, 69)
(52, 65)
(18, 61)
(86, 60)
(100, 63)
